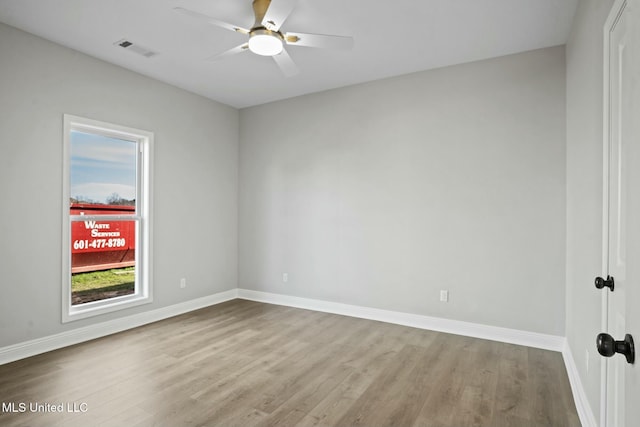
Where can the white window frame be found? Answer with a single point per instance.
(143, 289)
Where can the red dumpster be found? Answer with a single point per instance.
(102, 245)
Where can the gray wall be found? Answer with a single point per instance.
(584, 189)
(195, 186)
(378, 195)
(384, 193)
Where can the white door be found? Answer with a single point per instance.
(622, 139)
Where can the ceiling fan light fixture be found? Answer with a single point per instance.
(266, 43)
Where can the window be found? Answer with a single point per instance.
(106, 218)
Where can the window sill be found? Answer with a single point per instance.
(91, 309)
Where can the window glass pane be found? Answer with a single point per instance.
(99, 245)
(102, 260)
(103, 169)
(103, 182)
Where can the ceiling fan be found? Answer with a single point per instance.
(266, 38)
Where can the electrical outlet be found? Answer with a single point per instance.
(285, 277)
(444, 296)
(183, 283)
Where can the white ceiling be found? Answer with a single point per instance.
(392, 37)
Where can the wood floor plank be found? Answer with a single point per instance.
(244, 363)
(551, 396)
(514, 384)
(329, 411)
(387, 400)
(449, 370)
(303, 400)
(478, 396)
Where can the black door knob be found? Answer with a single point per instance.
(607, 346)
(608, 282)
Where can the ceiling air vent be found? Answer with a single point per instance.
(135, 48)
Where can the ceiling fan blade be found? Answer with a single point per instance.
(286, 64)
(238, 49)
(277, 13)
(319, 40)
(211, 20)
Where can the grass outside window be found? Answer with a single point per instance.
(99, 285)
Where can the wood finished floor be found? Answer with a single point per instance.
(243, 363)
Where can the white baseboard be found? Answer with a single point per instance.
(494, 333)
(86, 333)
(587, 419)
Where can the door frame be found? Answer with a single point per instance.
(614, 14)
